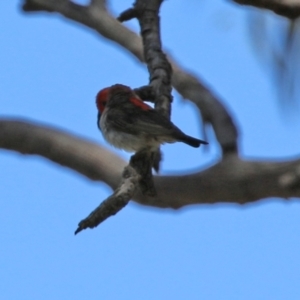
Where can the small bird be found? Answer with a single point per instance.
(130, 124)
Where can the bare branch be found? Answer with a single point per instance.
(85, 157)
(101, 21)
(158, 66)
(212, 110)
(286, 8)
(230, 181)
(114, 203)
(147, 13)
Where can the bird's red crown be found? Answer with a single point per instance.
(103, 95)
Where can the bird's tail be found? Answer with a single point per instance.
(191, 141)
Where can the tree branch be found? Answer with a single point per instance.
(147, 13)
(286, 8)
(212, 110)
(230, 181)
(114, 203)
(62, 148)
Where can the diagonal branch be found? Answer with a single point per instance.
(114, 203)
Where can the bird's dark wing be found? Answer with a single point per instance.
(148, 122)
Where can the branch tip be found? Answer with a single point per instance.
(127, 15)
(31, 6)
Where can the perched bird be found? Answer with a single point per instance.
(128, 123)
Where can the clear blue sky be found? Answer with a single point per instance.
(50, 71)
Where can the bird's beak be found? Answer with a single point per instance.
(98, 120)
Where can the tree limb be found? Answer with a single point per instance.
(82, 156)
(286, 8)
(147, 13)
(114, 203)
(231, 180)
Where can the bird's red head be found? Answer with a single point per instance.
(125, 95)
(104, 94)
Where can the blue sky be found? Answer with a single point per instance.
(51, 70)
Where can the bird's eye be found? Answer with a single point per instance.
(104, 103)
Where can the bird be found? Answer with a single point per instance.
(128, 123)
